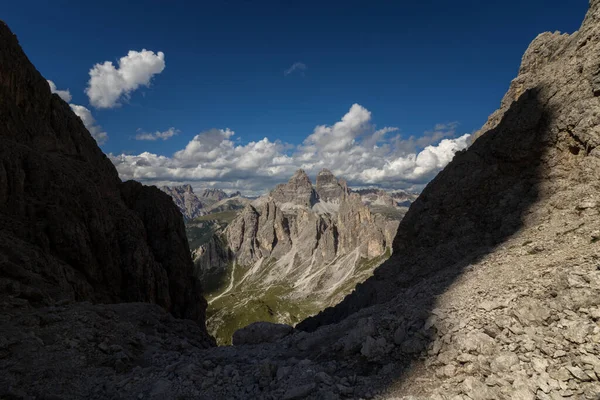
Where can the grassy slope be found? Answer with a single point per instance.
(246, 303)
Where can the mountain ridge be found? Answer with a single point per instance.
(70, 230)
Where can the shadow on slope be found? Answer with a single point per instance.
(476, 203)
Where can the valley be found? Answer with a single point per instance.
(282, 257)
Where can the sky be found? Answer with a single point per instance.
(239, 94)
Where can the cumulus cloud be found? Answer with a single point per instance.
(297, 66)
(63, 94)
(109, 84)
(169, 133)
(90, 123)
(352, 148)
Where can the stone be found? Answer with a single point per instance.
(561, 374)
(531, 312)
(261, 332)
(374, 349)
(476, 342)
(489, 305)
(539, 364)
(504, 361)
(522, 394)
(399, 335)
(577, 332)
(324, 378)
(299, 392)
(578, 373)
(477, 390)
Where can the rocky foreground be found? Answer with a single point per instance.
(493, 291)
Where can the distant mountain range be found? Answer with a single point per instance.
(289, 253)
(208, 201)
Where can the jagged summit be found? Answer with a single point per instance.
(186, 200)
(214, 194)
(329, 188)
(297, 191)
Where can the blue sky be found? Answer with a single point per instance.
(412, 65)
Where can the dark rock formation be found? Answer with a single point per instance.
(69, 229)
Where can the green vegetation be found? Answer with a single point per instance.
(237, 309)
(249, 301)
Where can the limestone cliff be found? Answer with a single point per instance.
(185, 199)
(69, 229)
(329, 188)
(298, 191)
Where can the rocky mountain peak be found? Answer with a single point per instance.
(185, 199)
(215, 194)
(298, 190)
(329, 188)
(300, 175)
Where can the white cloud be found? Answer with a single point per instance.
(109, 84)
(169, 133)
(297, 66)
(90, 123)
(63, 94)
(351, 148)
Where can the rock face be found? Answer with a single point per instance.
(69, 229)
(298, 191)
(553, 109)
(213, 195)
(329, 188)
(211, 258)
(185, 199)
(292, 259)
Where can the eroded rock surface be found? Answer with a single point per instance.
(69, 229)
(185, 199)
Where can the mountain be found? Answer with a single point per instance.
(211, 196)
(185, 199)
(290, 253)
(209, 201)
(70, 230)
(492, 290)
